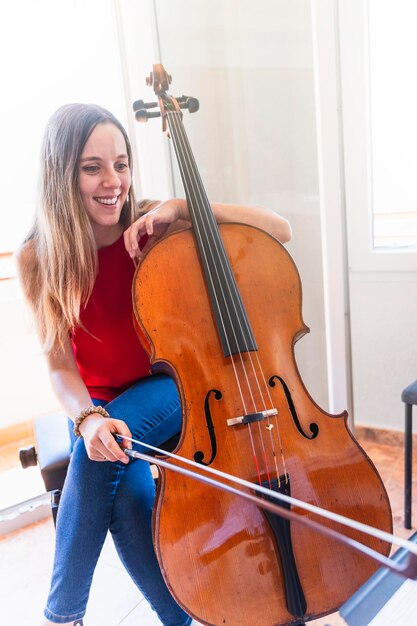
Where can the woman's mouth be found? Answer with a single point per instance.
(107, 201)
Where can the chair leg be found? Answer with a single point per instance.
(55, 498)
(408, 453)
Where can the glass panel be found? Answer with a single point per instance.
(254, 137)
(251, 69)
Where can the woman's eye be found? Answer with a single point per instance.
(91, 169)
(122, 166)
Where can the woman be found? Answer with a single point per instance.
(76, 269)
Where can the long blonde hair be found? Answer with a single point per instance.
(65, 255)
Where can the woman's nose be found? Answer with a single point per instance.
(111, 179)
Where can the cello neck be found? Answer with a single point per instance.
(232, 322)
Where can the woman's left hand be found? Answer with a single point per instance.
(155, 223)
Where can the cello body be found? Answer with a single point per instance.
(224, 561)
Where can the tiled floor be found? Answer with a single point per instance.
(26, 556)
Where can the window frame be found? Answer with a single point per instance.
(356, 116)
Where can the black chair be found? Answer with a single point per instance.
(409, 397)
(52, 453)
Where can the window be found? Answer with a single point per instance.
(393, 122)
(52, 53)
(378, 99)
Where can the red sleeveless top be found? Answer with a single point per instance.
(111, 358)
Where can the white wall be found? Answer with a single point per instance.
(384, 345)
(57, 53)
(25, 388)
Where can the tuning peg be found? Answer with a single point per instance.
(141, 110)
(143, 115)
(140, 104)
(193, 105)
(187, 102)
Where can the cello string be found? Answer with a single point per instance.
(278, 430)
(180, 143)
(175, 116)
(187, 182)
(188, 152)
(306, 506)
(197, 189)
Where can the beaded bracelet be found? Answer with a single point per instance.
(88, 411)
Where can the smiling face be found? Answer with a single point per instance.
(104, 180)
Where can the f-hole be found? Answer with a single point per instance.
(314, 429)
(199, 455)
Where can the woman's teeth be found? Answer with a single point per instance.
(108, 201)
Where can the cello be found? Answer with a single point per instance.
(219, 309)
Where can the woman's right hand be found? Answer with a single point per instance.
(154, 224)
(98, 434)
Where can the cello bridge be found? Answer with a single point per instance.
(253, 417)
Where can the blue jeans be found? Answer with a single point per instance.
(102, 496)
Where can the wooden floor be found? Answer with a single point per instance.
(26, 557)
